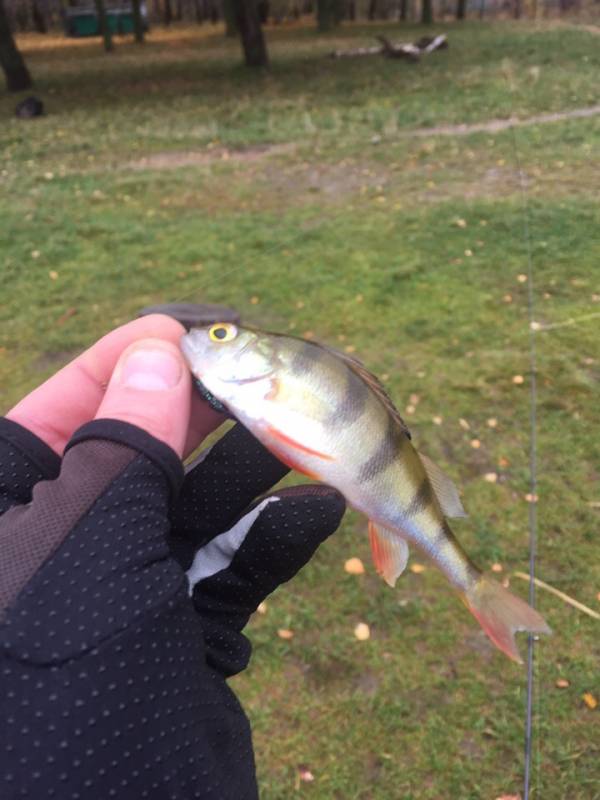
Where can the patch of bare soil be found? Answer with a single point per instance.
(173, 160)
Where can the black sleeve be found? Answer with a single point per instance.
(105, 687)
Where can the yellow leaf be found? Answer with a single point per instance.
(362, 632)
(589, 699)
(354, 566)
(417, 568)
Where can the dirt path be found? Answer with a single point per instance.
(495, 125)
(174, 160)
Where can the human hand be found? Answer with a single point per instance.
(130, 698)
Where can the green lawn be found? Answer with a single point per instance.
(300, 197)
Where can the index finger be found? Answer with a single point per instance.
(71, 397)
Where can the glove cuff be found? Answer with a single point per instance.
(138, 439)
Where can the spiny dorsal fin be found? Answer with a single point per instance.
(444, 488)
(363, 373)
(372, 382)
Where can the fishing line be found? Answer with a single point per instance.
(531, 676)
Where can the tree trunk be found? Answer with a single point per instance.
(329, 14)
(138, 22)
(167, 13)
(461, 9)
(372, 12)
(517, 9)
(16, 73)
(231, 28)
(253, 42)
(39, 20)
(427, 12)
(103, 26)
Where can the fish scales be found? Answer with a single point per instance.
(327, 417)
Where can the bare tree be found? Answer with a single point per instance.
(138, 22)
(16, 73)
(461, 9)
(329, 14)
(103, 26)
(427, 12)
(248, 23)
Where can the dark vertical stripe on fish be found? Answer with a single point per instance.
(353, 401)
(306, 357)
(422, 499)
(386, 453)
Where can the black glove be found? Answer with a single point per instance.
(113, 676)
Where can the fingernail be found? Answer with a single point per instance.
(151, 370)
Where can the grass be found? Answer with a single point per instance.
(300, 197)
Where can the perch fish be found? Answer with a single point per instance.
(323, 414)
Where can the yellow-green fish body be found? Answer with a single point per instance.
(324, 415)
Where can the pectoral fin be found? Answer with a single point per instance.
(390, 552)
(444, 488)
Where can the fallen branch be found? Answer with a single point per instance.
(406, 50)
(562, 595)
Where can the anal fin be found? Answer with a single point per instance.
(389, 551)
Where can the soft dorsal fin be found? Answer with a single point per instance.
(444, 488)
(372, 382)
(389, 551)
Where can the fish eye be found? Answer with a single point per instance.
(222, 332)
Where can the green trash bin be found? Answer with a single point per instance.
(82, 21)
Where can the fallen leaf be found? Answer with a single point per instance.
(255, 300)
(462, 223)
(503, 462)
(262, 608)
(437, 420)
(362, 632)
(414, 399)
(417, 568)
(300, 304)
(491, 477)
(35, 254)
(562, 683)
(497, 567)
(468, 253)
(507, 298)
(350, 348)
(70, 312)
(522, 278)
(492, 422)
(53, 275)
(531, 498)
(518, 380)
(464, 424)
(284, 633)
(509, 797)
(589, 699)
(475, 444)
(354, 566)
(305, 774)
(410, 409)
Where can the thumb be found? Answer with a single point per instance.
(150, 388)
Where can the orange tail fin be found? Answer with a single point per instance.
(501, 614)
